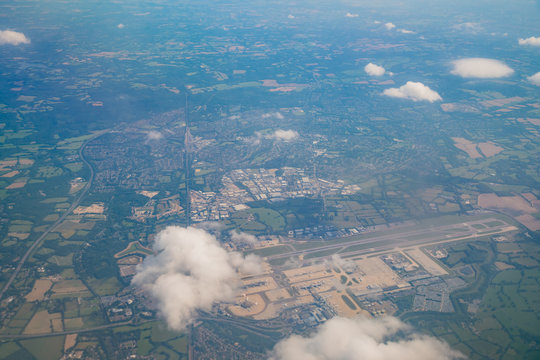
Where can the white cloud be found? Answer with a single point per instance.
(361, 338)
(415, 91)
(349, 15)
(534, 79)
(534, 41)
(374, 70)
(471, 27)
(291, 16)
(189, 272)
(154, 135)
(481, 68)
(13, 38)
(276, 115)
(283, 135)
(120, 26)
(243, 238)
(389, 26)
(376, 22)
(405, 31)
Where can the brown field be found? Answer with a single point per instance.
(17, 185)
(467, 146)
(26, 161)
(92, 209)
(503, 266)
(489, 149)
(516, 203)
(529, 221)
(519, 207)
(21, 236)
(71, 340)
(42, 322)
(11, 174)
(148, 194)
(7, 164)
(41, 286)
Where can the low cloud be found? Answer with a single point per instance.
(240, 237)
(374, 70)
(481, 68)
(533, 41)
(349, 15)
(120, 26)
(389, 26)
(190, 271)
(415, 91)
(361, 338)
(283, 135)
(154, 135)
(470, 27)
(534, 79)
(9, 37)
(276, 115)
(405, 31)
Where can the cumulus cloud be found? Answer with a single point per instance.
(534, 41)
(471, 27)
(283, 135)
(243, 238)
(481, 68)
(415, 91)
(361, 338)
(349, 15)
(154, 135)
(120, 26)
(190, 271)
(389, 26)
(534, 79)
(374, 70)
(276, 115)
(405, 31)
(12, 38)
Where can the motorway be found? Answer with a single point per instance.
(74, 205)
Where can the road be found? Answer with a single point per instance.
(57, 222)
(102, 327)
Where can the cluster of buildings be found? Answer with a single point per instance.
(245, 185)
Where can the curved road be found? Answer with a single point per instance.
(57, 222)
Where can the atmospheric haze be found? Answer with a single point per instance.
(190, 271)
